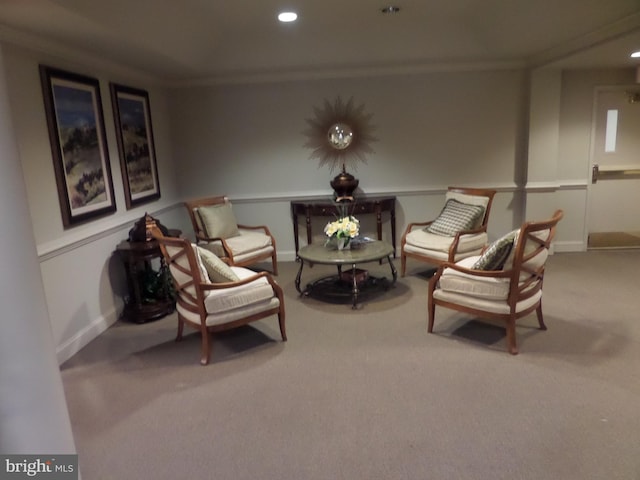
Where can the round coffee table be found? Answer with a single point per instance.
(353, 281)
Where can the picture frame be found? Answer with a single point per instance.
(75, 121)
(134, 133)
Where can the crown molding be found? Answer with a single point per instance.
(336, 72)
(68, 55)
(613, 31)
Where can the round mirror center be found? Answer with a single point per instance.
(340, 136)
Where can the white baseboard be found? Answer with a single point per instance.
(72, 346)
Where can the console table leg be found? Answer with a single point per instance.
(394, 272)
(298, 276)
(295, 232)
(393, 230)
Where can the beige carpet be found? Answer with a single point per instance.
(369, 395)
(614, 240)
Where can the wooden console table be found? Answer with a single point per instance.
(325, 207)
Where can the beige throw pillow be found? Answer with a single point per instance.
(219, 272)
(218, 221)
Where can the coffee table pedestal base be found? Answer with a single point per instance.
(335, 289)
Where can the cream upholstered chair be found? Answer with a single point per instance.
(216, 229)
(213, 296)
(458, 232)
(503, 283)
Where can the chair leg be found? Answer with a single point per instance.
(403, 264)
(180, 328)
(511, 336)
(431, 307)
(205, 355)
(432, 313)
(274, 263)
(540, 319)
(283, 330)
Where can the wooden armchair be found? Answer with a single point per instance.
(503, 283)
(213, 296)
(216, 229)
(459, 231)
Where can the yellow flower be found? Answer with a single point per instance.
(343, 227)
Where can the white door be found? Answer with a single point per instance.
(614, 195)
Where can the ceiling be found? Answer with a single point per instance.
(198, 40)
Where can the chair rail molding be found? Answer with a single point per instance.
(575, 184)
(49, 250)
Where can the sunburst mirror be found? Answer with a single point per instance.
(340, 136)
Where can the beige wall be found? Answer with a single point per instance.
(560, 141)
(33, 410)
(434, 128)
(84, 285)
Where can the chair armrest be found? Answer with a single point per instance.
(453, 249)
(267, 232)
(244, 281)
(204, 238)
(413, 225)
(277, 289)
(264, 228)
(225, 247)
(480, 229)
(477, 273)
(435, 279)
(410, 227)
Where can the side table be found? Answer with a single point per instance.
(147, 280)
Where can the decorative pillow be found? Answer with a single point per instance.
(219, 272)
(218, 221)
(455, 217)
(204, 275)
(495, 256)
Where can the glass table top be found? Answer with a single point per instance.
(360, 253)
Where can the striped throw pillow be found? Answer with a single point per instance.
(495, 256)
(456, 217)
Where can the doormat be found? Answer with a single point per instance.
(614, 240)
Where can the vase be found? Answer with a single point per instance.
(343, 243)
(343, 185)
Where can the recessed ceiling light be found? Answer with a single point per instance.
(287, 16)
(635, 54)
(390, 9)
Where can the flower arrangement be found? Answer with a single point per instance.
(343, 230)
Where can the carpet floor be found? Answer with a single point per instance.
(369, 394)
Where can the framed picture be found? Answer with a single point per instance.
(135, 143)
(78, 144)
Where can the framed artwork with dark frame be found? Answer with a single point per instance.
(73, 109)
(134, 133)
